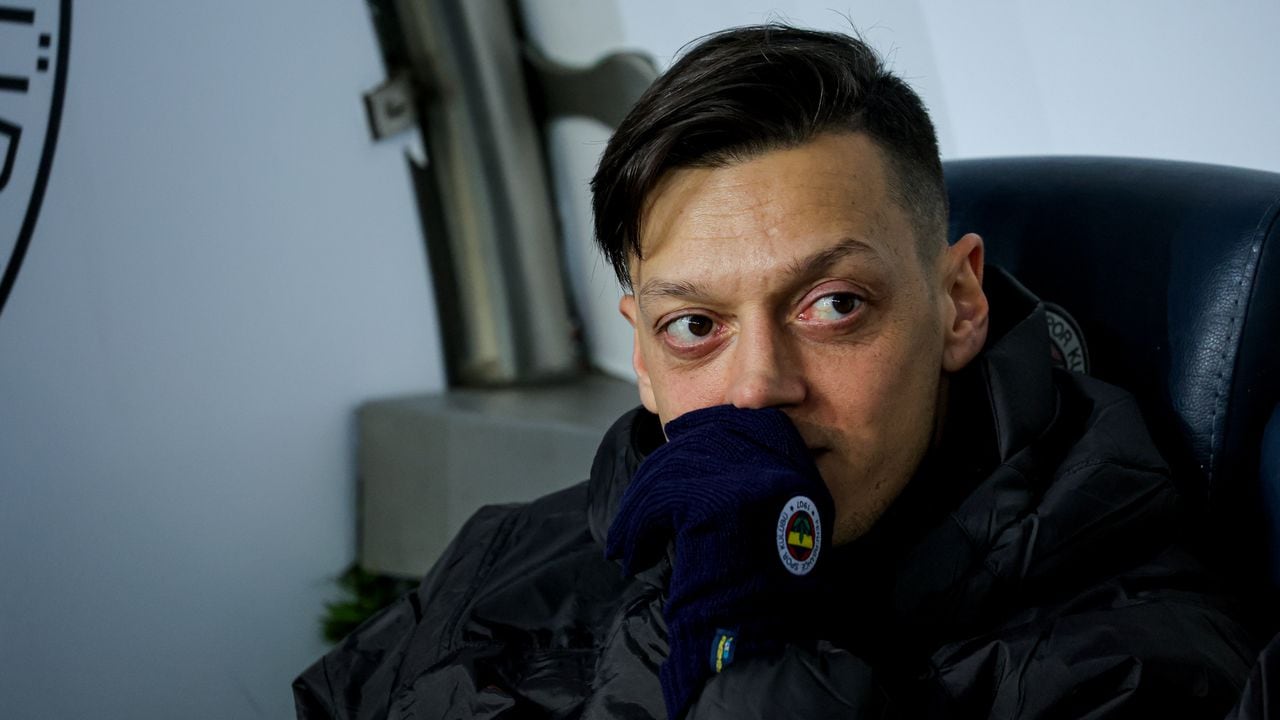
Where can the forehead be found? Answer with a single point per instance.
(771, 209)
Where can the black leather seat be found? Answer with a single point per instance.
(1173, 272)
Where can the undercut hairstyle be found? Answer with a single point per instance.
(746, 91)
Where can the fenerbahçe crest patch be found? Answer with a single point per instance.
(799, 535)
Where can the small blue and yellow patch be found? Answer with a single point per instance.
(722, 646)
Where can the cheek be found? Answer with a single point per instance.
(907, 394)
(882, 409)
(882, 400)
(678, 390)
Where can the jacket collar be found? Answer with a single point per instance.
(1015, 366)
(624, 447)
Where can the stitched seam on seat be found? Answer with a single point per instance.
(1260, 232)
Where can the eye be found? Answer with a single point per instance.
(833, 307)
(689, 330)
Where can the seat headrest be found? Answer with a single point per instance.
(1172, 270)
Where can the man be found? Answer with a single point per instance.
(856, 488)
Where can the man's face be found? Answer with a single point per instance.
(793, 280)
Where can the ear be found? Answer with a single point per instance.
(627, 306)
(965, 309)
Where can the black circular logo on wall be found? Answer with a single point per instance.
(34, 44)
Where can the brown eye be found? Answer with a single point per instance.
(843, 304)
(699, 325)
(689, 329)
(835, 306)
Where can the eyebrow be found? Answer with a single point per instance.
(819, 262)
(655, 289)
(802, 269)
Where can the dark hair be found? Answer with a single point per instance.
(745, 91)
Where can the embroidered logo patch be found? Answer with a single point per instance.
(1066, 343)
(722, 646)
(799, 535)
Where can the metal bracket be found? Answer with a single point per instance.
(604, 91)
(391, 107)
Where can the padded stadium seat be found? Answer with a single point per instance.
(1172, 271)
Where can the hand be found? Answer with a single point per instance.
(739, 495)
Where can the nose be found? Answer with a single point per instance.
(764, 372)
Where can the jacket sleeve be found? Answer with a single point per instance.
(360, 668)
(1261, 697)
(1167, 656)
(357, 678)
(802, 683)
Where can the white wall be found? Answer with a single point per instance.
(1182, 80)
(225, 265)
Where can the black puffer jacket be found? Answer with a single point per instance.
(1031, 569)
